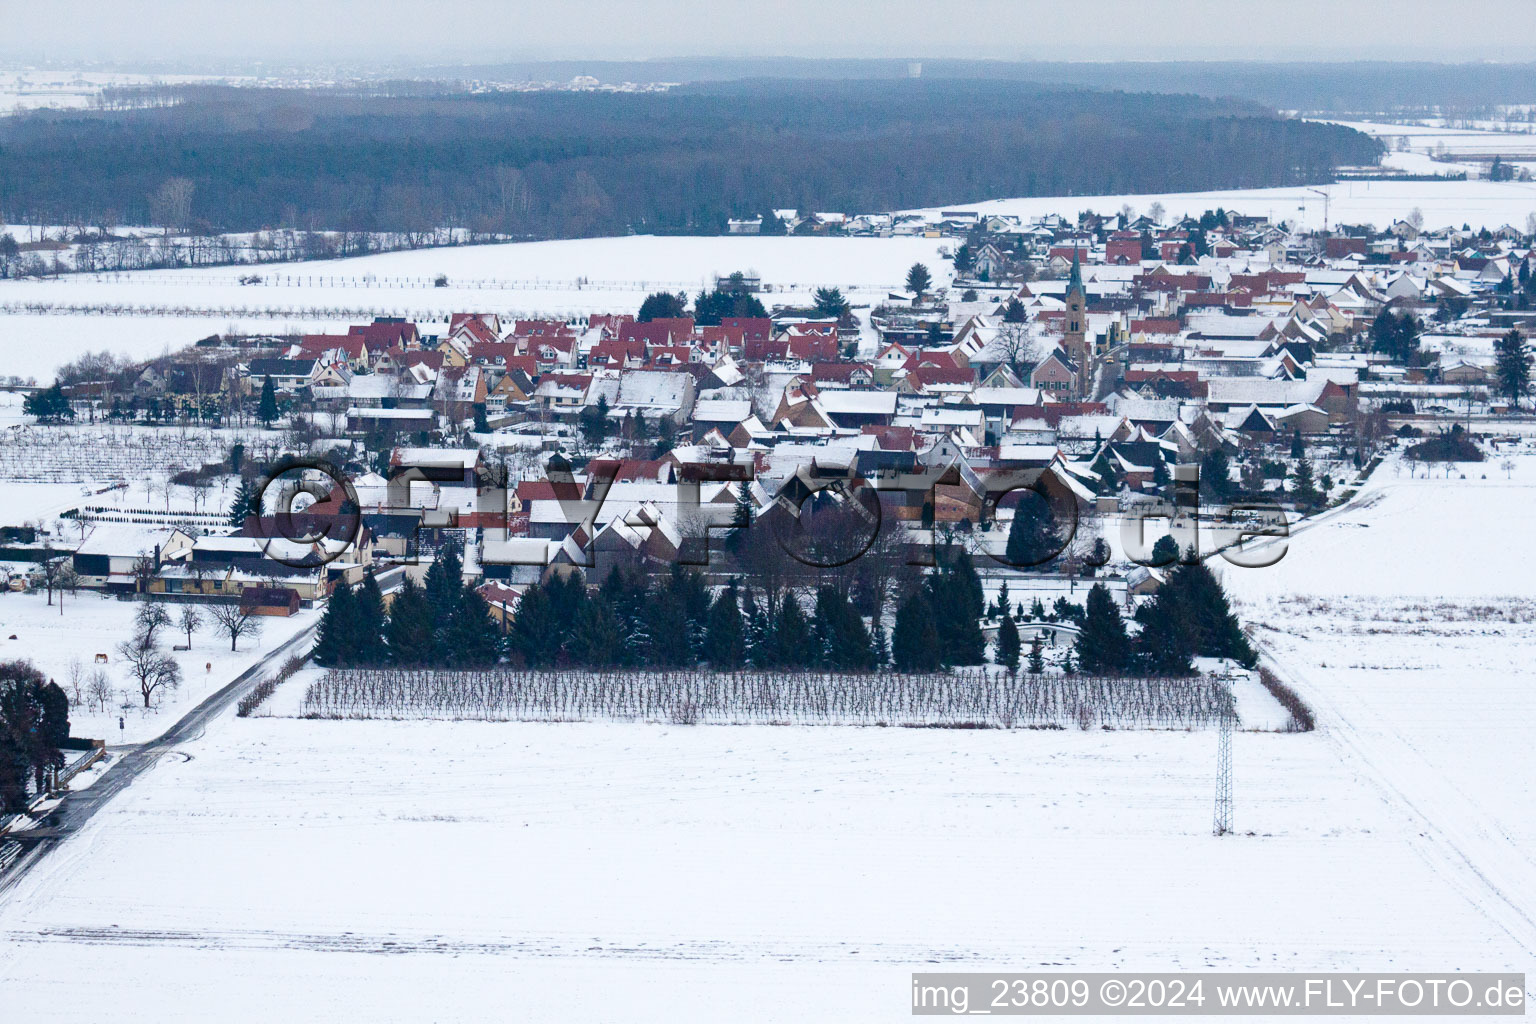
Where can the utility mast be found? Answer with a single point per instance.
(1222, 823)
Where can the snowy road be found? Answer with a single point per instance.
(78, 808)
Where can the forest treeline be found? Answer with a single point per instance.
(551, 164)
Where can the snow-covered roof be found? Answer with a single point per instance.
(868, 403)
(722, 410)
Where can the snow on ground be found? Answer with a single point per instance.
(1479, 203)
(1408, 623)
(33, 346)
(59, 89)
(649, 872)
(1514, 146)
(92, 624)
(556, 278)
(783, 872)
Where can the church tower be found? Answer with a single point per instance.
(1075, 343)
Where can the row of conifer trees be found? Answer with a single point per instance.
(671, 620)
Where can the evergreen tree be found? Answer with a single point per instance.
(26, 730)
(1165, 552)
(597, 638)
(1216, 475)
(666, 624)
(829, 302)
(741, 518)
(594, 421)
(368, 639)
(1102, 646)
(918, 280)
(772, 225)
(687, 588)
(1303, 489)
(1003, 607)
(470, 638)
(842, 640)
(266, 408)
(243, 505)
(1033, 539)
(662, 305)
(756, 634)
(725, 643)
(1298, 448)
(1197, 599)
(879, 644)
(48, 405)
(915, 640)
(1512, 366)
(1014, 312)
(1037, 611)
(567, 596)
(236, 457)
(336, 638)
(535, 633)
(710, 308)
(1036, 657)
(1163, 647)
(445, 579)
(1066, 611)
(1008, 645)
(410, 627)
(790, 642)
(482, 425)
(1397, 335)
(956, 598)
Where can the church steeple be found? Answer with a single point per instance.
(1075, 281)
(1075, 339)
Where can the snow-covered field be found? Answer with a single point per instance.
(59, 89)
(432, 870)
(45, 323)
(91, 624)
(1479, 203)
(1409, 624)
(655, 873)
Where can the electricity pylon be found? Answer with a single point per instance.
(1222, 823)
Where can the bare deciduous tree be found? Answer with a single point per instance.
(171, 205)
(149, 666)
(190, 621)
(98, 689)
(233, 621)
(150, 620)
(75, 673)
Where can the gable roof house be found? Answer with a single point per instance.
(1055, 374)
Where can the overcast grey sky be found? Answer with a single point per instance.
(480, 30)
